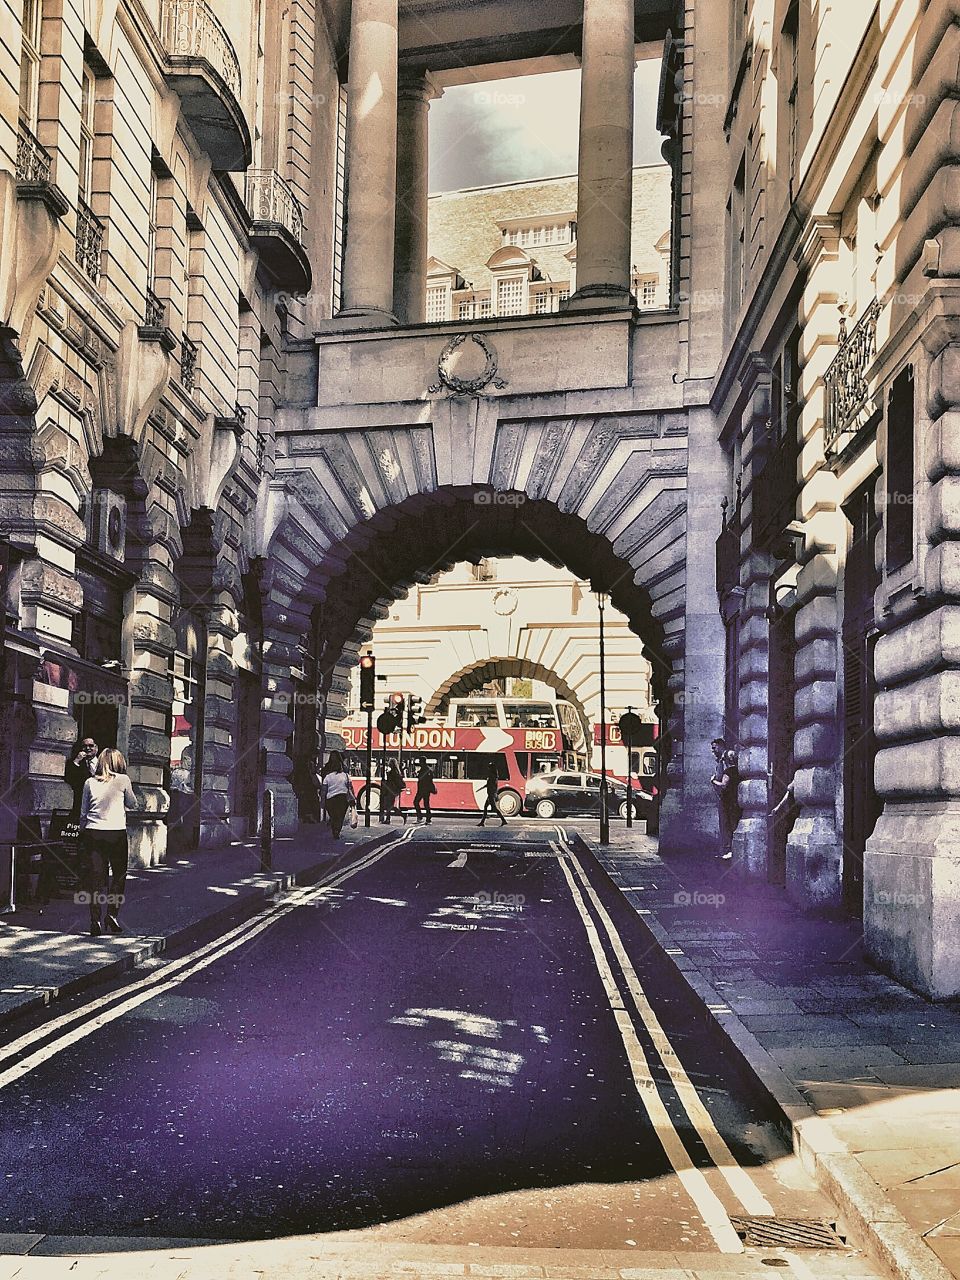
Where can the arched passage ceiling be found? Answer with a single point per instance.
(377, 560)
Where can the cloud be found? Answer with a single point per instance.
(523, 128)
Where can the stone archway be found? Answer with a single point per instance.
(468, 679)
(332, 573)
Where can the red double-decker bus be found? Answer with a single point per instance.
(459, 756)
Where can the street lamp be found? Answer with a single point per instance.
(602, 598)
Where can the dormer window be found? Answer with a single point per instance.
(529, 233)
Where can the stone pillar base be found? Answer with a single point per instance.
(911, 896)
(148, 843)
(600, 297)
(686, 827)
(358, 319)
(286, 811)
(751, 848)
(814, 861)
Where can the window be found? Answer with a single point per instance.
(900, 470)
(437, 304)
(563, 295)
(541, 303)
(790, 52)
(340, 198)
(465, 310)
(646, 287)
(510, 297)
(30, 63)
(477, 715)
(88, 99)
(153, 213)
(182, 668)
(736, 240)
(486, 307)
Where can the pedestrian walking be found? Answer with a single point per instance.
(103, 826)
(336, 793)
(81, 765)
(493, 786)
(726, 782)
(426, 788)
(391, 790)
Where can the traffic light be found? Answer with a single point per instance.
(414, 711)
(395, 707)
(368, 682)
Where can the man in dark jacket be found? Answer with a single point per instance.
(81, 766)
(426, 788)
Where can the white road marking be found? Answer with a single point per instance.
(459, 861)
(739, 1181)
(708, 1205)
(172, 975)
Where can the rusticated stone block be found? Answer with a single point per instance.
(147, 688)
(42, 584)
(151, 633)
(919, 645)
(931, 705)
(923, 769)
(147, 745)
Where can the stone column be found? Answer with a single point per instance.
(371, 162)
(410, 258)
(605, 191)
(750, 842)
(219, 713)
(815, 845)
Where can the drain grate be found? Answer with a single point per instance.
(787, 1233)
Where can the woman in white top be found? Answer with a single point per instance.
(103, 824)
(336, 793)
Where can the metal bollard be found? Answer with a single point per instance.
(266, 833)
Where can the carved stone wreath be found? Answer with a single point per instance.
(467, 386)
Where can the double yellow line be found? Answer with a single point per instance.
(55, 1036)
(629, 990)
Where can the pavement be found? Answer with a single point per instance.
(860, 1073)
(863, 1072)
(46, 955)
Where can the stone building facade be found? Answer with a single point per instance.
(835, 400)
(161, 226)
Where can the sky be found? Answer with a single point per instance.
(523, 128)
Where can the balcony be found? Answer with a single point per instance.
(154, 327)
(188, 364)
(34, 174)
(89, 240)
(849, 408)
(204, 70)
(276, 230)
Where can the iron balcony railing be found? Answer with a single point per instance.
(261, 451)
(188, 363)
(190, 29)
(154, 312)
(89, 240)
(34, 165)
(270, 199)
(847, 389)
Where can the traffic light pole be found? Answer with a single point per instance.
(366, 795)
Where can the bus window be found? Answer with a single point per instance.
(523, 763)
(649, 764)
(530, 715)
(453, 767)
(479, 762)
(541, 764)
(477, 715)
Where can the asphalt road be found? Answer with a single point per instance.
(469, 1039)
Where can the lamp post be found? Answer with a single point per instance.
(604, 809)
